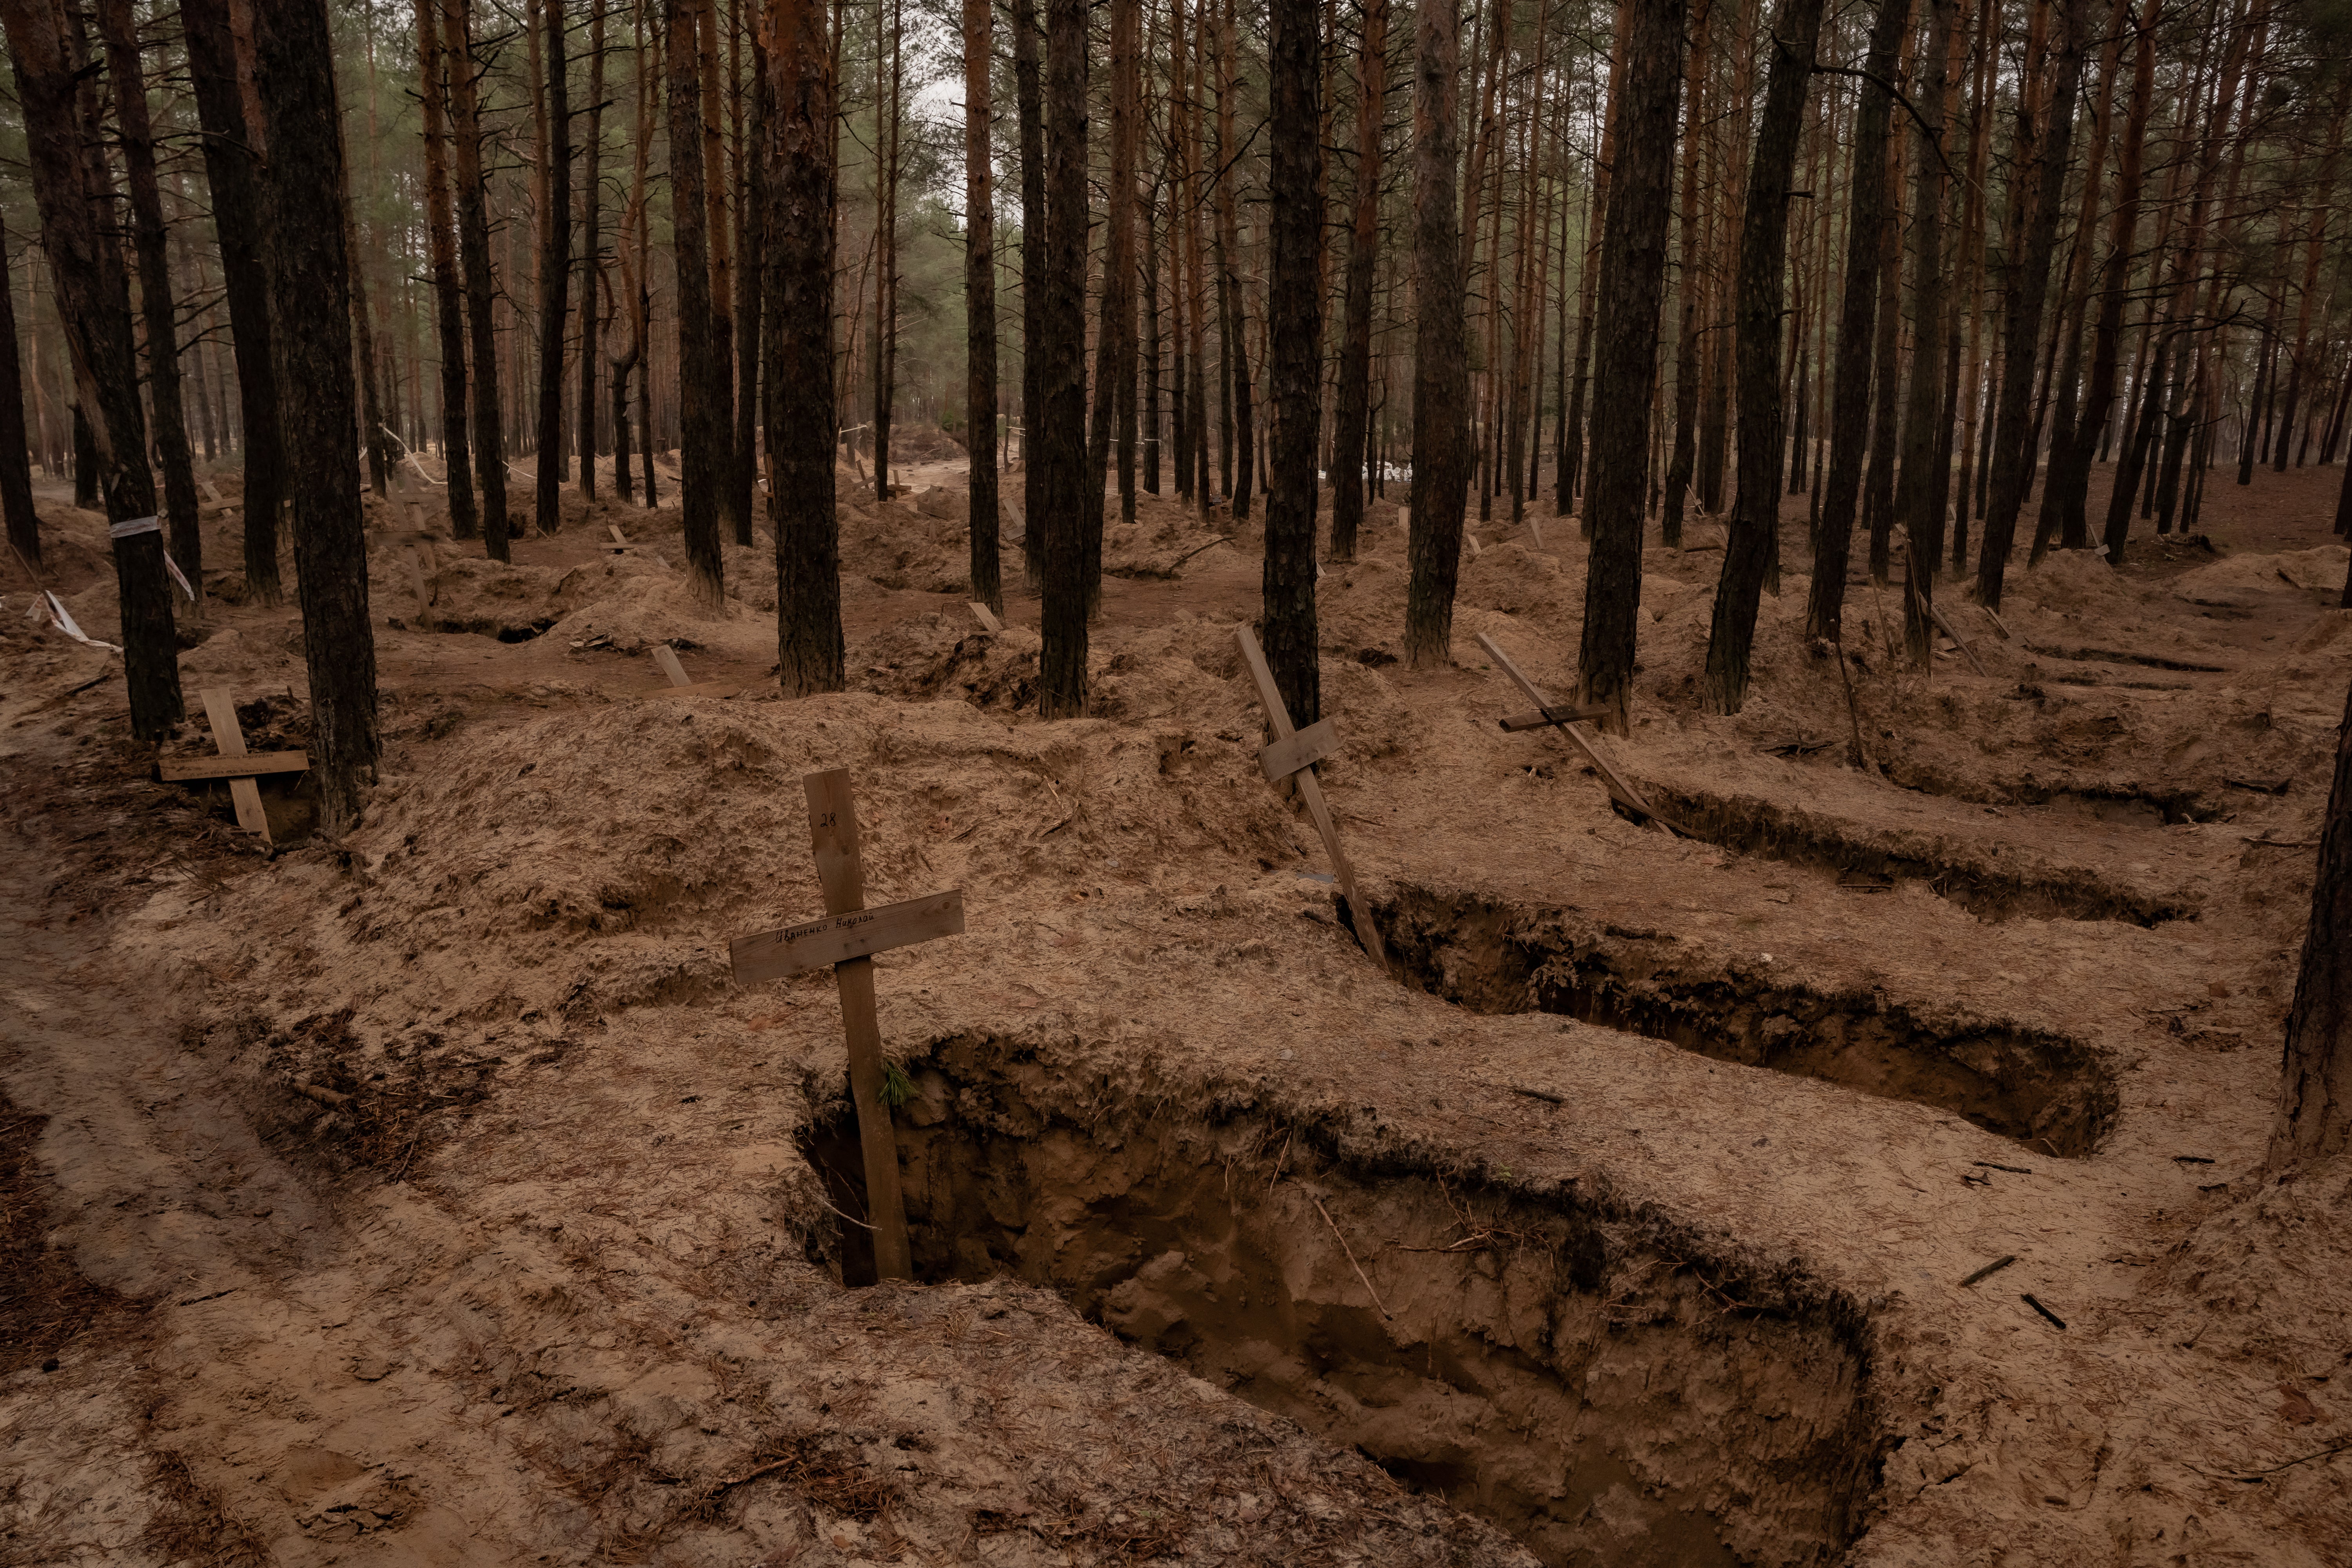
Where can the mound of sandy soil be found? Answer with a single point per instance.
(2238, 578)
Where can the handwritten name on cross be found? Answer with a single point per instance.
(847, 938)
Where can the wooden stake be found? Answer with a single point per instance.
(1619, 786)
(833, 834)
(1293, 755)
(986, 617)
(667, 656)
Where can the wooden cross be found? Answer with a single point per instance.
(680, 684)
(620, 540)
(1568, 722)
(1293, 755)
(986, 617)
(235, 763)
(847, 938)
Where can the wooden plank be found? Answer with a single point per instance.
(229, 736)
(1310, 790)
(667, 656)
(1534, 531)
(987, 616)
(619, 542)
(1302, 748)
(697, 688)
(176, 770)
(1570, 714)
(1471, 539)
(1618, 785)
(833, 834)
(836, 939)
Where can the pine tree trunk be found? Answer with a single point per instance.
(71, 188)
(232, 151)
(1629, 305)
(309, 271)
(1028, 108)
(449, 309)
(796, 325)
(555, 276)
(2314, 1112)
(1355, 397)
(702, 423)
(1295, 330)
(592, 251)
(120, 34)
(23, 525)
(750, 291)
(1115, 322)
(1920, 500)
(719, 348)
(1057, 523)
(1683, 464)
(474, 258)
(1441, 375)
(886, 234)
(2013, 444)
(1762, 288)
(1850, 394)
(979, 302)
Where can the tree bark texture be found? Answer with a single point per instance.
(1353, 410)
(980, 304)
(310, 269)
(702, 421)
(2314, 1112)
(1058, 522)
(23, 525)
(1628, 303)
(1762, 287)
(1294, 369)
(93, 298)
(796, 323)
(555, 276)
(2013, 435)
(449, 299)
(1441, 373)
(474, 257)
(232, 152)
(151, 242)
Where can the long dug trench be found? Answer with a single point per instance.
(1587, 1379)
(2052, 1094)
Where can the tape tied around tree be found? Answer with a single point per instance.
(132, 526)
(177, 576)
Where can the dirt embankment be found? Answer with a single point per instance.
(435, 1195)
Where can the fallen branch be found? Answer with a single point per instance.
(2054, 1319)
(1995, 1267)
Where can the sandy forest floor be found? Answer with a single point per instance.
(434, 1196)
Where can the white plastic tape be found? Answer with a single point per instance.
(174, 567)
(65, 620)
(132, 526)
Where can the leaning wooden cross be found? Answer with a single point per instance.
(847, 938)
(985, 616)
(235, 763)
(1568, 721)
(1293, 755)
(680, 684)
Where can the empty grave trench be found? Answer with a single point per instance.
(2052, 1094)
(1584, 1378)
(1984, 887)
